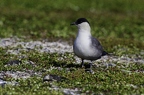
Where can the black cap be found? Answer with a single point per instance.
(79, 21)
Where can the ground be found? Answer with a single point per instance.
(36, 47)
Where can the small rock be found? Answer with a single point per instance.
(2, 82)
(51, 77)
(7, 42)
(14, 62)
(107, 65)
(132, 85)
(71, 91)
(13, 83)
(17, 74)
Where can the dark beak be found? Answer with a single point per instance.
(73, 23)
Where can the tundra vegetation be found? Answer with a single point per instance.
(36, 43)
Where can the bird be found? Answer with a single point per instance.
(85, 46)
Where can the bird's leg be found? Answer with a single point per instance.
(90, 65)
(82, 63)
(90, 68)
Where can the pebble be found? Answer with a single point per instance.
(71, 91)
(67, 91)
(51, 77)
(8, 41)
(2, 83)
(14, 62)
(17, 74)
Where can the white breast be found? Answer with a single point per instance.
(82, 45)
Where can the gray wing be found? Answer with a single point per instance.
(98, 46)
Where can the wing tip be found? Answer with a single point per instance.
(104, 53)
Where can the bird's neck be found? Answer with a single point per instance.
(84, 27)
(83, 35)
(84, 31)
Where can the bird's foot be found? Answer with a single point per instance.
(89, 70)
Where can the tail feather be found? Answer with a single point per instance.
(104, 53)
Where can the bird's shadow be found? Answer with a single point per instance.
(68, 65)
(64, 64)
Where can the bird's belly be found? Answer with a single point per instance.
(84, 50)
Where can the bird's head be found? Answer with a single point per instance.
(82, 23)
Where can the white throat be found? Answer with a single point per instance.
(84, 30)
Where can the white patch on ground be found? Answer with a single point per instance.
(19, 74)
(41, 46)
(67, 91)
